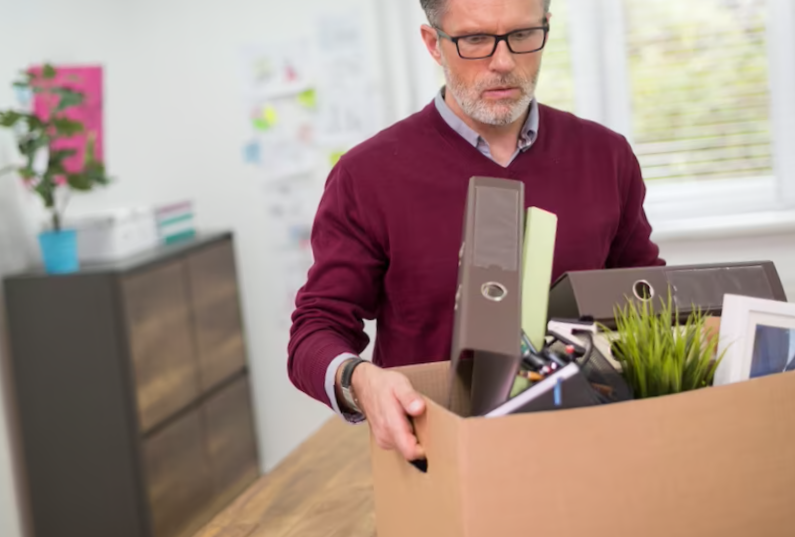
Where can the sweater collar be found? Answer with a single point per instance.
(527, 136)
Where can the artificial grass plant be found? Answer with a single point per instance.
(658, 354)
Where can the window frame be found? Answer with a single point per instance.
(600, 63)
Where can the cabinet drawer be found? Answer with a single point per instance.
(161, 345)
(179, 482)
(231, 440)
(215, 304)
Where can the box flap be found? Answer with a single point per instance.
(435, 381)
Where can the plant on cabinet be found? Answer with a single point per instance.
(44, 167)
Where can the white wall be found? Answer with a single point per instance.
(175, 129)
(773, 245)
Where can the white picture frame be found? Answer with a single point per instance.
(745, 321)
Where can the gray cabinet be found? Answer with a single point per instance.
(133, 392)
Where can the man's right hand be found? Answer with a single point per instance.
(387, 399)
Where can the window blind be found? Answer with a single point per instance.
(699, 76)
(556, 79)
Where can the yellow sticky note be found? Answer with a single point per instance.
(270, 116)
(538, 255)
(308, 98)
(335, 157)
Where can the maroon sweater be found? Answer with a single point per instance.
(388, 228)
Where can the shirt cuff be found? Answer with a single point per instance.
(331, 392)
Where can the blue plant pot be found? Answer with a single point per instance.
(59, 251)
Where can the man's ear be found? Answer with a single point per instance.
(431, 40)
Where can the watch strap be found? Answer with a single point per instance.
(345, 383)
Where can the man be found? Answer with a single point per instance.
(389, 225)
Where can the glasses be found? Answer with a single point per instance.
(479, 46)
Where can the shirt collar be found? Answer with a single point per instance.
(527, 135)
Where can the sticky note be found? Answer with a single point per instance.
(265, 119)
(335, 157)
(251, 153)
(269, 115)
(308, 98)
(538, 255)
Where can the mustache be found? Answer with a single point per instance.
(510, 81)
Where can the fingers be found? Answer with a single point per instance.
(387, 410)
(403, 436)
(413, 404)
(392, 430)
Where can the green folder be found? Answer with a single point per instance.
(539, 251)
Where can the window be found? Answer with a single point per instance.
(702, 89)
(556, 80)
(699, 88)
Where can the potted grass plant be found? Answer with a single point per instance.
(658, 354)
(44, 167)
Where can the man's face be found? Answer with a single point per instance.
(495, 90)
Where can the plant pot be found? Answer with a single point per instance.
(59, 251)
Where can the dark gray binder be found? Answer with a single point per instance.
(596, 293)
(486, 349)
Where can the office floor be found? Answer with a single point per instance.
(323, 488)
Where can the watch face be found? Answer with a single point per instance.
(345, 382)
(346, 392)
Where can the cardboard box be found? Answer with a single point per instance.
(714, 462)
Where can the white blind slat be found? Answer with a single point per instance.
(699, 78)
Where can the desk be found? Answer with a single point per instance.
(322, 489)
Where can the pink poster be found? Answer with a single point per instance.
(87, 80)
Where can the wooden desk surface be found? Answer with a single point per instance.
(322, 489)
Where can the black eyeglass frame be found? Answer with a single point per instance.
(497, 39)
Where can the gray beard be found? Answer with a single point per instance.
(498, 114)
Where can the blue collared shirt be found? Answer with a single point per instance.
(527, 135)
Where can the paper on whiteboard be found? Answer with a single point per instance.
(281, 107)
(346, 96)
(277, 68)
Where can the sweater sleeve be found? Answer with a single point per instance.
(632, 246)
(342, 288)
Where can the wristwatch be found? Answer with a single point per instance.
(345, 384)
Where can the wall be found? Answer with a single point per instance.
(175, 128)
(774, 245)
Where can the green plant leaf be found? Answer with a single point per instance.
(29, 145)
(26, 173)
(55, 165)
(660, 354)
(80, 181)
(48, 71)
(34, 123)
(46, 189)
(66, 127)
(68, 99)
(10, 118)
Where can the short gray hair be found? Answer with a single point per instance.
(435, 9)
